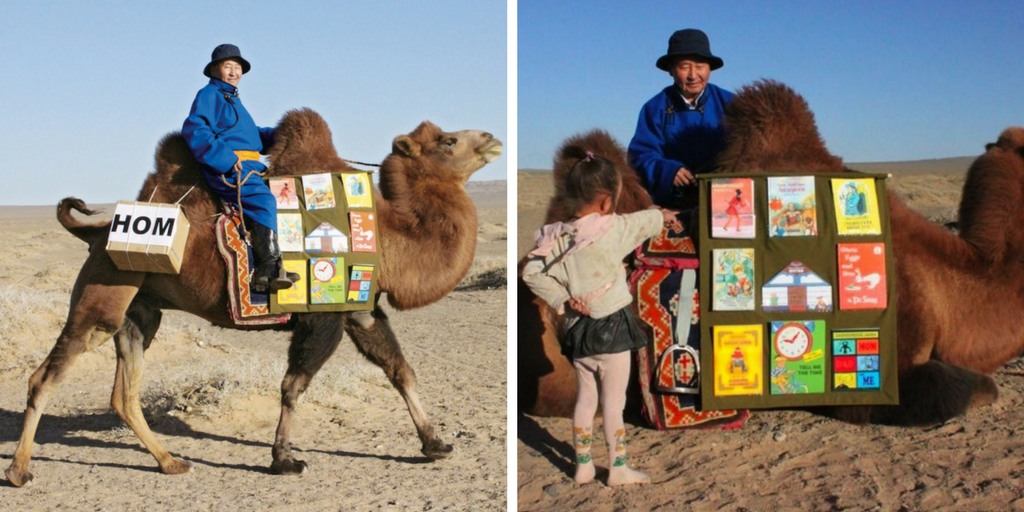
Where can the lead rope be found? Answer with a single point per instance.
(241, 182)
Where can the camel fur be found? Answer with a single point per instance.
(422, 210)
(958, 294)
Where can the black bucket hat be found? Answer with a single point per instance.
(685, 42)
(226, 51)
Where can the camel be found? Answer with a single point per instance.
(959, 294)
(422, 210)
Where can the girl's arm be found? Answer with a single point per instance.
(545, 285)
(636, 227)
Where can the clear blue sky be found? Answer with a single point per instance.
(89, 88)
(887, 80)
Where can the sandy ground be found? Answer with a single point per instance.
(792, 460)
(212, 397)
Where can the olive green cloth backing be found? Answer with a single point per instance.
(338, 217)
(818, 253)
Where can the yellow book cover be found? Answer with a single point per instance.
(739, 359)
(297, 293)
(358, 192)
(856, 206)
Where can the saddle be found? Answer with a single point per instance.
(246, 306)
(664, 283)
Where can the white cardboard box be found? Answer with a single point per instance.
(148, 237)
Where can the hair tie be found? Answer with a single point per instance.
(590, 156)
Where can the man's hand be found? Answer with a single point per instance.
(237, 167)
(683, 177)
(578, 306)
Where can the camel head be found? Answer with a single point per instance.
(444, 156)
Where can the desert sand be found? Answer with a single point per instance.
(212, 397)
(792, 460)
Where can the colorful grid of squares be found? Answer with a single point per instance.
(855, 360)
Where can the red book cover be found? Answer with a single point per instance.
(862, 276)
(364, 231)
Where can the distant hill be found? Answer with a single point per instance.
(954, 165)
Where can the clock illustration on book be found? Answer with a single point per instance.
(323, 270)
(792, 341)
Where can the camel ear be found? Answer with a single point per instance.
(405, 146)
(990, 145)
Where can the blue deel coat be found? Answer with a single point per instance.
(217, 126)
(669, 136)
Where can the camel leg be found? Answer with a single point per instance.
(96, 313)
(131, 341)
(372, 334)
(314, 340)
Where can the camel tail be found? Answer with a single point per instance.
(930, 394)
(89, 233)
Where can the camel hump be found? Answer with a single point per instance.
(89, 233)
(302, 145)
(1012, 138)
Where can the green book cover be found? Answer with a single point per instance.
(327, 280)
(798, 357)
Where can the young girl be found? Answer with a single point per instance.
(580, 264)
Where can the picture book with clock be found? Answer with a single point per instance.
(797, 358)
(327, 280)
(738, 356)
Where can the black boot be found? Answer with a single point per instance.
(269, 274)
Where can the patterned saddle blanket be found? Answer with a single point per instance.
(666, 268)
(246, 307)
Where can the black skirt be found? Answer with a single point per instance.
(617, 332)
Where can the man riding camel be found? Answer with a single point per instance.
(226, 141)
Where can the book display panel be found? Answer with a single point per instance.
(802, 311)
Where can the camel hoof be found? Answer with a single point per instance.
(177, 467)
(289, 467)
(18, 478)
(437, 449)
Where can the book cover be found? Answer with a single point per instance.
(364, 231)
(798, 357)
(297, 293)
(738, 353)
(792, 209)
(284, 192)
(862, 276)
(856, 206)
(733, 288)
(796, 288)
(732, 208)
(326, 238)
(358, 192)
(855, 360)
(327, 280)
(289, 232)
(359, 283)
(319, 191)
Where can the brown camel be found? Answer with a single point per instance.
(422, 208)
(959, 296)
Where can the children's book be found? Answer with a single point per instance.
(733, 280)
(855, 360)
(289, 232)
(732, 208)
(796, 288)
(358, 192)
(856, 206)
(798, 357)
(326, 238)
(297, 293)
(285, 193)
(327, 280)
(359, 283)
(364, 232)
(319, 191)
(862, 276)
(739, 355)
(791, 206)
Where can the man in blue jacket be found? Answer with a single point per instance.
(679, 132)
(226, 141)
